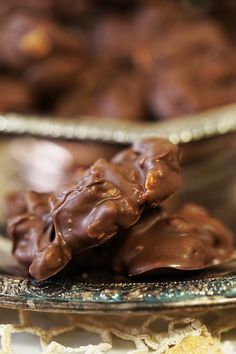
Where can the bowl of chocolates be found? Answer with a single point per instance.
(113, 223)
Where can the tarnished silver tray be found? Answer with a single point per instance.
(75, 296)
(103, 293)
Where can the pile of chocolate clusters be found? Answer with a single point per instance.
(110, 216)
(129, 59)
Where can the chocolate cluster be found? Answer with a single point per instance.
(131, 60)
(110, 214)
(189, 239)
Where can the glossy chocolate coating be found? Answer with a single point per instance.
(92, 209)
(190, 239)
(18, 203)
(35, 244)
(155, 164)
(96, 204)
(110, 196)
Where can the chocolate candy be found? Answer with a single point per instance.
(27, 39)
(53, 74)
(15, 204)
(110, 196)
(184, 90)
(155, 164)
(182, 44)
(15, 96)
(102, 200)
(30, 227)
(114, 35)
(30, 220)
(111, 35)
(98, 202)
(190, 239)
(107, 93)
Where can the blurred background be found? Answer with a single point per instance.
(122, 59)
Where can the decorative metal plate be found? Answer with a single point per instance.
(179, 130)
(213, 287)
(77, 296)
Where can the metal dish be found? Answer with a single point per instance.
(62, 296)
(179, 130)
(213, 287)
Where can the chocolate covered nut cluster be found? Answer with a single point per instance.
(97, 203)
(189, 239)
(30, 227)
(99, 214)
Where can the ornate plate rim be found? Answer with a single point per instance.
(185, 129)
(82, 297)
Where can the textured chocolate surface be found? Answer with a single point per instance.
(94, 206)
(93, 209)
(190, 239)
(151, 164)
(50, 230)
(110, 196)
(155, 164)
(35, 244)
